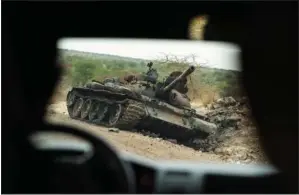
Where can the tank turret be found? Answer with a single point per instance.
(171, 85)
(173, 92)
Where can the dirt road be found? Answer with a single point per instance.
(154, 148)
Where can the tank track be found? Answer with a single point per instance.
(131, 115)
(128, 113)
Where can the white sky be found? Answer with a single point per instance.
(210, 54)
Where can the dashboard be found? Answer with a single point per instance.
(164, 176)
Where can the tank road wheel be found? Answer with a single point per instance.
(86, 108)
(103, 109)
(97, 112)
(114, 114)
(93, 111)
(77, 107)
(70, 111)
(70, 99)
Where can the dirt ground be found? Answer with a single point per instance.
(241, 147)
(154, 148)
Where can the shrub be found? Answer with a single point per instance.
(82, 73)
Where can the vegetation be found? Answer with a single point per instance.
(205, 84)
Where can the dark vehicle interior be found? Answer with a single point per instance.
(267, 32)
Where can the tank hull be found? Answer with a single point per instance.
(124, 109)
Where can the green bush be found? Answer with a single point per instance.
(82, 73)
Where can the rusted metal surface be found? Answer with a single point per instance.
(142, 102)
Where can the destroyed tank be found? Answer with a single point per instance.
(141, 103)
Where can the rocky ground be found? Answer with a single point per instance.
(236, 141)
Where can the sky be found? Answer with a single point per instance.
(210, 54)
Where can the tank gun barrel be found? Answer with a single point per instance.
(186, 73)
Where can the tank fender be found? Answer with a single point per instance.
(202, 125)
